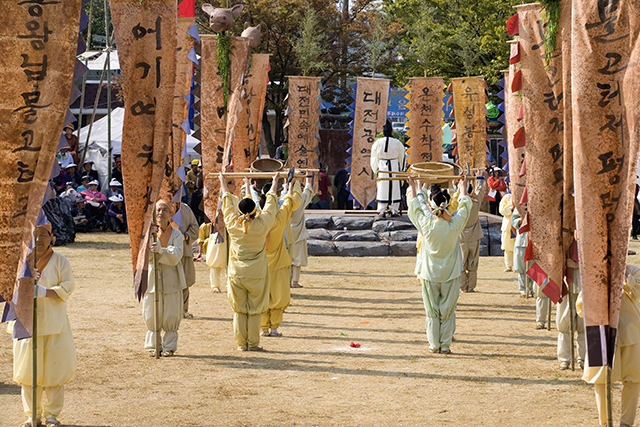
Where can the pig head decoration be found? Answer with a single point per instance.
(252, 33)
(221, 19)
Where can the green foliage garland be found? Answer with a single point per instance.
(224, 65)
(551, 14)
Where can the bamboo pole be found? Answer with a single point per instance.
(571, 325)
(549, 315)
(84, 77)
(425, 177)
(608, 397)
(106, 32)
(256, 175)
(34, 340)
(156, 295)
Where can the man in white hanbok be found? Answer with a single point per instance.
(387, 154)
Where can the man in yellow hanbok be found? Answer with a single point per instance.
(55, 346)
(279, 263)
(626, 361)
(248, 269)
(440, 262)
(508, 238)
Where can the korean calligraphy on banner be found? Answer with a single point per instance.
(370, 115)
(145, 33)
(38, 42)
(605, 78)
(471, 122)
(172, 182)
(513, 104)
(215, 154)
(247, 134)
(543, 101)
(304, 115)
(425, 119)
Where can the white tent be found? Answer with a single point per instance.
(98, 148)
(98, 58)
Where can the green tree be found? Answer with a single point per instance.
(463, 37)
(308, 47)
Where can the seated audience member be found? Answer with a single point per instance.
(81, 215)
(85, 184)
(116, 172)
(95, 201)
(117, 214)
(89, 170)
(74, 174)
(69, 194)
(72, 140)
(64, 157)
(60, 181)
(114, 188)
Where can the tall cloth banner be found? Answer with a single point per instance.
(515, 148)
(304, 115)
(372, 97)
(543, 100)
(145, 33)
(605, 84)
(38, 42)
(247, 135)
(213, 126)
(471, 121)
(425, 119)
(172, 182)
(234, 107)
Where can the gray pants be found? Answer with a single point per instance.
(470, 257)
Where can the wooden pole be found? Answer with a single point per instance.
(425, 177)
(84, 78)
(571, 325)
(256, 175)
(34, 341)
(526, 281)
(156, 294)
(608, 398)
(106, 31)
(549, 315)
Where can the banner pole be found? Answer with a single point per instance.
(608, 398)
(156, 294)
(549, 315)
(571, 325)
(34, 342)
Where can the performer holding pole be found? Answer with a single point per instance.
(166, 278)
(54, 351)
(387, 154)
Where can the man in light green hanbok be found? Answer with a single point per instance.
(439, 262)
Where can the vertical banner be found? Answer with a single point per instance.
(542, 98)
(605, 83)
(172, 181)
(239, 60)
(247, 135)
(370, 114)
(514, 125)
(425, 119)
(145, 33)
(38, 42)
(213, 126)
(304, 115)
(471, 122)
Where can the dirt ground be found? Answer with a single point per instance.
(502, 371)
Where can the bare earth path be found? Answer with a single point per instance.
(502, 372)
